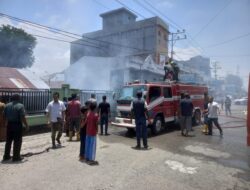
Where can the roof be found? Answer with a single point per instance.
(20, 78)
(117, 11)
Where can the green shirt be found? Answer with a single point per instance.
(14, 111)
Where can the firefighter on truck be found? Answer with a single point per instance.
(162, 100)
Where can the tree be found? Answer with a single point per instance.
(16, 47)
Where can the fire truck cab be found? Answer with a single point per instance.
(162, 100)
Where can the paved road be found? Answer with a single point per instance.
(174, 162)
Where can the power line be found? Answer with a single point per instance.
(59, 30)
(174, 36)
(190, 39)
(212, 19)
(174, 24)
(60, 40)
(227, 41)
(102, 5)
(231, 56)
(118, 1)
(180, 59)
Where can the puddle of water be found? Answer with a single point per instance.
(236, 164)
(207, 151)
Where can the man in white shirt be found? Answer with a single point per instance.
(56, 114)
(213, 110)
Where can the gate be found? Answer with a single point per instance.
(34, 100)
(86, 94)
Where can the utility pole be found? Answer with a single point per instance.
(215, 68)
(179, 35)
(248, 114)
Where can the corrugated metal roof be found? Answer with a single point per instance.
(34, 79)
(18, 78)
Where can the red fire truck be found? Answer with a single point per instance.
(163, 103)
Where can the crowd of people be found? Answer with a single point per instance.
(82, 120)
(71, 116)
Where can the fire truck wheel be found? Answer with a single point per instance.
(197, 117)
(157, 126)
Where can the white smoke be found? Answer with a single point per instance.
(91, 73)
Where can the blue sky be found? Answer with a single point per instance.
(230, 19)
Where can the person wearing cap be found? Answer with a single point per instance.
(14, 114)
(186, 110)
(140, 112)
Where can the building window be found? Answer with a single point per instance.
(159, 33)
(165, 37)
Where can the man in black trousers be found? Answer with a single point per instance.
(14, 114)
(140, 112)
(104, 113)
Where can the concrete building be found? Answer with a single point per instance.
(125, 50)
(122, 35)
(195, 69)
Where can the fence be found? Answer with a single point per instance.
(34, 100)
(86, 94)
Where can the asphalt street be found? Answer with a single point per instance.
(173, 162)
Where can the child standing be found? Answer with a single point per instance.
(92, 128)
(84, 111)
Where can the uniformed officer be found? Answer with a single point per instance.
(140, 113)
(14, 114)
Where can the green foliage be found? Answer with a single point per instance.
(16, 47)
